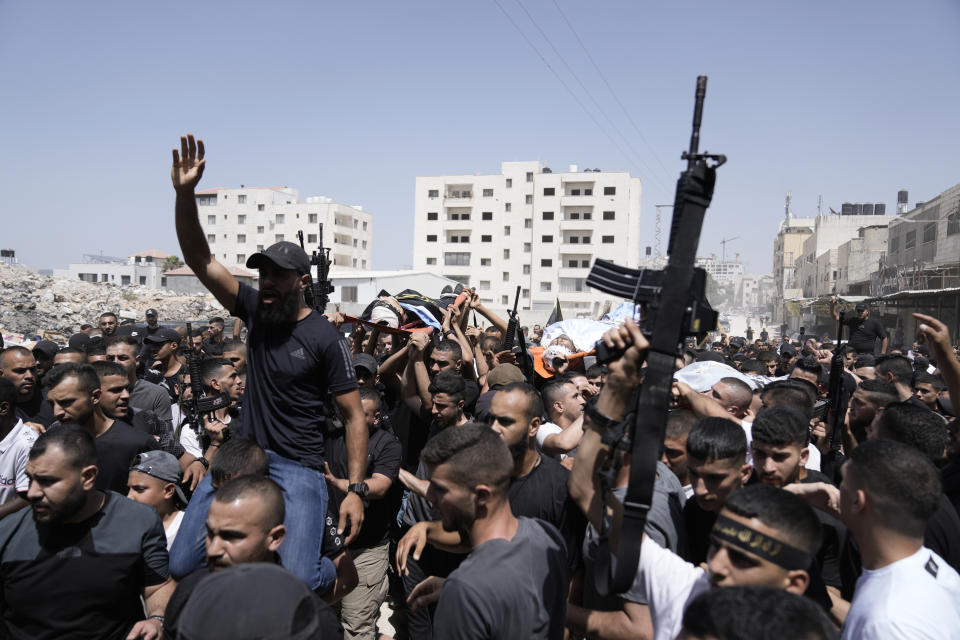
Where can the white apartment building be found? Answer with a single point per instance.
(241, 222)
(527, 226)
(144, 268)
(723, 271)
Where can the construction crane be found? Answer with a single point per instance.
(723, 244)
(657, 233)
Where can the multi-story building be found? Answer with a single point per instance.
(144, 268)
(241, 222)
(527, 226)
(859, 258)
(787, 250)
(725, 272)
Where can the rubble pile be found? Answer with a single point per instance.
(55, 307)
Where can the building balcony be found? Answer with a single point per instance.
(578, 225)
(576, 201)
(573, 272)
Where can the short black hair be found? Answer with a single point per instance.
(791, 393)
(553, 390)
(921, 378)
(451, 383)
(108, 314)
(72, 350)
(98, 349)
(234, 345)
(128, 340)
(752, 366)
(74, 441)
(85, 374)
(759, 613)
(781, 425)
(534, 406)
(216, 319)
(903, 485)
(717, 439)
(238, 457)
(106, 368)
(796, 522)
(8, 394)
(899, 366)
(254, 486)
(491, 343)
(210, 368)
(475, 453)
(450, 346)
(679, 423)
(596, 370)
(740, 392)
(766, 356)
(881, 393)
(809, 365)
(86, 325)
(366, 393)
(865, 360)
(916, 426)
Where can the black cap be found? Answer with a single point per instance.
(47, 348)
(285, 255)
(79, 341)
(365, 361)
(161, 335)
(862, 306)
(150, 312)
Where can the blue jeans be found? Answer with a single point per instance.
(305, 498)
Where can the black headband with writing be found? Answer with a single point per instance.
(760, 544)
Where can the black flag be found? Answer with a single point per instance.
(555, 315)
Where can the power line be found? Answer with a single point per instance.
(637, 157)
(561, 80)
(610, 88)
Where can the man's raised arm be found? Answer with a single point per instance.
(187, 169)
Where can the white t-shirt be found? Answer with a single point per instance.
(172, 528)
(549, 429)
(670, 584)
(14, 453)
(917, 597)
(813, 457)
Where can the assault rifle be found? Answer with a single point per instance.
(513, 325)
(515, 336)
(199, 405)
(318, 293)
(837, 401)
(674, 306)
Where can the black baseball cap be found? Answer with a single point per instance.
(163, 334)
(862, 306)
(150, 312)
(365, 361)
(285, 255)
(47, 348)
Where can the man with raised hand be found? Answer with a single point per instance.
(296, 361)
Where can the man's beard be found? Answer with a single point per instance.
(518, 449)
(71, 505)
(283, 311)
(80, 419)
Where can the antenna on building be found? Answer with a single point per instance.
(786, 206)
(819, 206)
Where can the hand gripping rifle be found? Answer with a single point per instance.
(515, 336)
(512, 326)
(675, 305)
(199, 405)
(837, 400)
(318, 293)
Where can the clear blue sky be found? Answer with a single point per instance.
(352, 100)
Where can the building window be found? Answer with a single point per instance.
(585, 240)
(548, 215)
(607, 239)
(241, 219)
(431, 238)
(486, 238)
(348, 294)
(211, 238)
(506, 230)
(433, 193)
(242, 199)
(486, 215)
(259, 229)
(260, 207)
(484, 262)
(587, 215)
(456, 259)
(545, 286)
(311, 238)
(431, 261)
(432, 215)
(312, 218)
(546, 262)
(488, 193)
(549, 191)
(211, 219)
(124, 279)
(911, 240)
(207, 201)
(525, 293)
(504, 300)
(241, 258)
(509, 183)
(260, 247)
(464, 239)
(364, 226)
(527, 223)
(526, 247)
(241, 238)
(458, 216)
(278, 237)
(526, 269)
(354, 264)
(529, 176)
(546, 239)
(506, 276)
(573, 215)
(506, 254)
(507, 206)
(280, 218)
(609, 191)
(355, 241)
(573, 264)
(363, 244)
(953, 222)
(609, 215)
(143, 280)
(573, 239)
(484, 285)
(929, 232)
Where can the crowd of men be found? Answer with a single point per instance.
(321, 468)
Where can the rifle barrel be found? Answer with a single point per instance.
(701, 95)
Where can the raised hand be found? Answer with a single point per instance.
(188, 164)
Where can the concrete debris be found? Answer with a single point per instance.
(56, 307)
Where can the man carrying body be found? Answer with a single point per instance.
(563, 403)
(514, 582)
(864, 330)
(296, 361)
(79, 566)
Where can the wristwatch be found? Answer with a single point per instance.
(203, 461)
(362, 489)
(597, 419)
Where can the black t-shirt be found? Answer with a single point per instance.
(81, 580)
(699, 524)
(329, 626)
(383, 457)
(36, 409)
(543, 494)
(150, 424)
(864, 333)
(291, 370)
(116, 449)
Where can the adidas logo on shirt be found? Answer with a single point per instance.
(298, 354)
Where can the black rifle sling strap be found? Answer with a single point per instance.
(694, 192)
